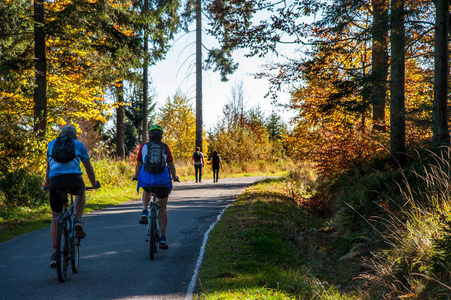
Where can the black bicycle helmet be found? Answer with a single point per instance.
(155, 132)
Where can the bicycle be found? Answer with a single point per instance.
(153, 229)
(67, 244)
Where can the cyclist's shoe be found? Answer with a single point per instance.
(143, 219)
(164, 245)
(79, 230)
(53, 261)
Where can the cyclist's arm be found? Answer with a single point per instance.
(47, 170)
(171, 168)
(138, 167)
(90, 172)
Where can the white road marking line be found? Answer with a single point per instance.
(192, 284)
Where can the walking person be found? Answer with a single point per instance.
(154, 169)
(215, 164)
(197, 159)
(63, 171)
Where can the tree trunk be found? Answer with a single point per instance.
(440, 130)
(144, 132)
(199, 120)
(379, 63)
(397, 101)
(120, 117)
(40, 91)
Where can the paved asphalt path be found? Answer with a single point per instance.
(114, 256)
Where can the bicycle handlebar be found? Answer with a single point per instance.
(47, 188)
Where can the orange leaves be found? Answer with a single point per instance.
(124, 29)
(337, 139)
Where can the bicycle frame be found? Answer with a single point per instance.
(67, 242)
(67, 251)
(67, 215)
(153, 229)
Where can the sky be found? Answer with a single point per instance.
(177, 72)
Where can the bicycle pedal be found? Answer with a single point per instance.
(80, 235)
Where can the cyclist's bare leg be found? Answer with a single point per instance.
(80, 201)
(54, 228)
(163, 215)
(146, 199)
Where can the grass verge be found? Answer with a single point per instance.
(267, 247)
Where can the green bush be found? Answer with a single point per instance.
(111, 173)
(22, 188)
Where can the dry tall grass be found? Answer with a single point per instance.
(405, 268)
(186, 171)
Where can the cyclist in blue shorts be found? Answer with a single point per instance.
(158, 180)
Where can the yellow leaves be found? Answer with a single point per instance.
(178, 121)
(57, 5)
(116, 105)
(124, 30)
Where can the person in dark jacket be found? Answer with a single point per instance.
(197, 160)
(215, 164)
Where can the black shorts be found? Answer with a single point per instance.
(72, 182)
(160, 192)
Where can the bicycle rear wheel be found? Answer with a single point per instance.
(62, 251)
(75, 255)
(153, 234)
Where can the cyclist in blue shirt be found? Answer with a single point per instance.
(67, 175)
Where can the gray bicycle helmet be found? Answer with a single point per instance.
(69, 131)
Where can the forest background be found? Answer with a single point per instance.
(369, 84)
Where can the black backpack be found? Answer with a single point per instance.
(196, 156)
(64, 149)
(154, 161)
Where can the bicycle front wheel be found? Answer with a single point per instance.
(75, 254)
(153, 234)
(62, 253)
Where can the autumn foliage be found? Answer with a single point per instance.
(334, 125)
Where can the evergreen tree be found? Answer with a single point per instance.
(397, 85)
(440, 114)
